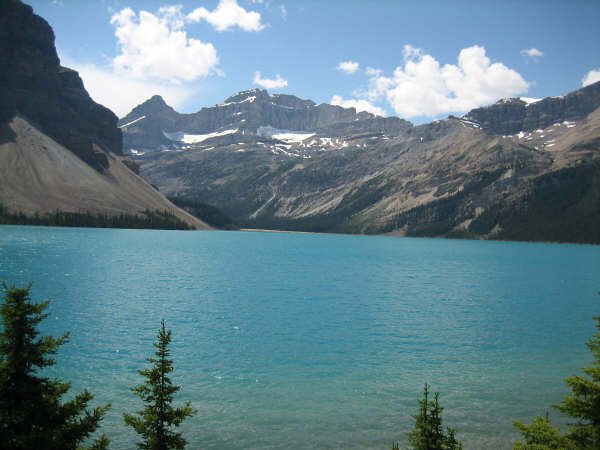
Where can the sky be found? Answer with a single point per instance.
(419, 60)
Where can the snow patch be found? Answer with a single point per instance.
(132, 122)
(529, 100)
(246, 100)
(180, 136)
(283, 135)
(469, 123)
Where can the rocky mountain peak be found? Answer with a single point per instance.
(154, 105)
(263, 96)
(156, 100)
(247, 95)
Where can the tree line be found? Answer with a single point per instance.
(33, 414)
(162, 220)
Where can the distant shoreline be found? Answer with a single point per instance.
(266, 230)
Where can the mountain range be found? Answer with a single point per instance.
(519, 169)
(60, 152)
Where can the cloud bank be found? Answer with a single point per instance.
(421, 86)
(156, 55)
(157, 47)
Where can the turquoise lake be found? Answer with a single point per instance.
(314, 341)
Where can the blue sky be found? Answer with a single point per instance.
(416, 59)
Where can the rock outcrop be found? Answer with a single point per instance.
(35, 86)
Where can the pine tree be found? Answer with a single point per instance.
(156, 421)
(541, 435)
(584, 401)
(583, 404)
(428, 432)
(31, 413)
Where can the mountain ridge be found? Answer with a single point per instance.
(358, 176)
(246, 112)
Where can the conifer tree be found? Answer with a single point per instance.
(542, 435)
(428, 432)
(156, 421)
(31, 413)
(583, 403)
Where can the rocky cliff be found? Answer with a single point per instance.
(513, 115)
(60, 152)
(35, 86)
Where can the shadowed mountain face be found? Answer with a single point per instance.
(59, 150)
(35, 86)
(274, 161)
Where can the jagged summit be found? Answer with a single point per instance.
(262, 95)
(156, 100)
(246, 94)
(154, 105)
(249, 116)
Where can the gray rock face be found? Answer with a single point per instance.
(247, 111)
(514, 115)
(34, 85)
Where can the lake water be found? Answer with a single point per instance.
(314, 341)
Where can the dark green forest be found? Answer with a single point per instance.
(163, 220)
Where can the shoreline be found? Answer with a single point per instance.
(266, 230)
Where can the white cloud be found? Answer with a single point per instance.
(226, 15)
(270, 83)
(422, 87)
(359, 105)
(591, 77)
(348, 67)
(120, 94)
(532, 54)
(157, 47)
